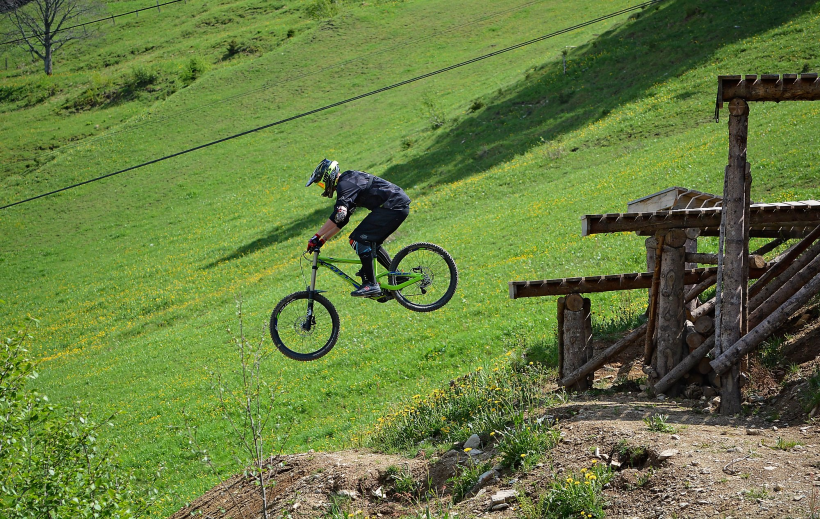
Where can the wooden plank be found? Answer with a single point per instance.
(591, 284)
(769, 87)
(807, 214)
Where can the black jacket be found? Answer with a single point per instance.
(352, 191)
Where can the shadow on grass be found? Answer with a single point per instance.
(617, 67)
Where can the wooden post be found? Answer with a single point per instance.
(561, 305)
(670, 305)
(577, 344)
(732, 274)
(653, 303)
(651, 245)
(691, 246)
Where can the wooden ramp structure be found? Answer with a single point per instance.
(683, 338)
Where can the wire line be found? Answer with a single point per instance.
(45, 157)
(346, 101)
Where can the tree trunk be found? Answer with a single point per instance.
(731, 272)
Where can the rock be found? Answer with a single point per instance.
(379, 493)
(683, 505)
(472, 442)
(754, 432)
(352, 494)
(709, 392)
(475, 452)
(798, 497)
(675, 437)
(769, 468)
(668, 453)
(778, 487)
(503, 496)
(499, 507)
(661, 397)
(734, 449)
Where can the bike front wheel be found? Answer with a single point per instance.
(439, 281)
(304, 327)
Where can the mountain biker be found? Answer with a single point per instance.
(389, 206)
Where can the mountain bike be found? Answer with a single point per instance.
(305, 325)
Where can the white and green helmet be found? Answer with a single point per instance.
(325, 176)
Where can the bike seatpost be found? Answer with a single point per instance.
(314, 269)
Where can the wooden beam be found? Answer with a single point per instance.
(785, 232)
(769, 87)
(712, 259)
(590, 284)
(786, 214)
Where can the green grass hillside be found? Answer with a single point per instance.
(135, 278)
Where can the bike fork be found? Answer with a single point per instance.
(309, 319)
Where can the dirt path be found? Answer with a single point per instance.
(718, 467)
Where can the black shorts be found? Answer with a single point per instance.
(379, 224)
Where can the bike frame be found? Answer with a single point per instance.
(328, 262)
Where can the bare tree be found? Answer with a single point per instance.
(44, 26)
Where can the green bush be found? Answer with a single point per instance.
(321, 9)
(51, 462)
(192, 70)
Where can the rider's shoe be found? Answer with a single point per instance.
(368, 290)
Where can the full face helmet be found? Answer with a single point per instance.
(325, 176)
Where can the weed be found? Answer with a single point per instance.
(403, 481)
(523, 444)
(770, 352)
(630, 455)
(644, 478)
(757, 493)
(577, 495)
(657, 423)
(812, 395)
(466, 478)
(436, 117)
(784, 445)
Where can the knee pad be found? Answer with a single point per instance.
(362, 248)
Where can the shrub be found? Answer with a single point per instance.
(192, 70)
(51, 463)
(321, 9)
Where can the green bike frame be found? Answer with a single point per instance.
(328, 262)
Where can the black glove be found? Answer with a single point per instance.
(315, 243)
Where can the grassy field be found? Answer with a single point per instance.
(135, 278)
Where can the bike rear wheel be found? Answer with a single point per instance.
(439, 282)
(302, 333)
